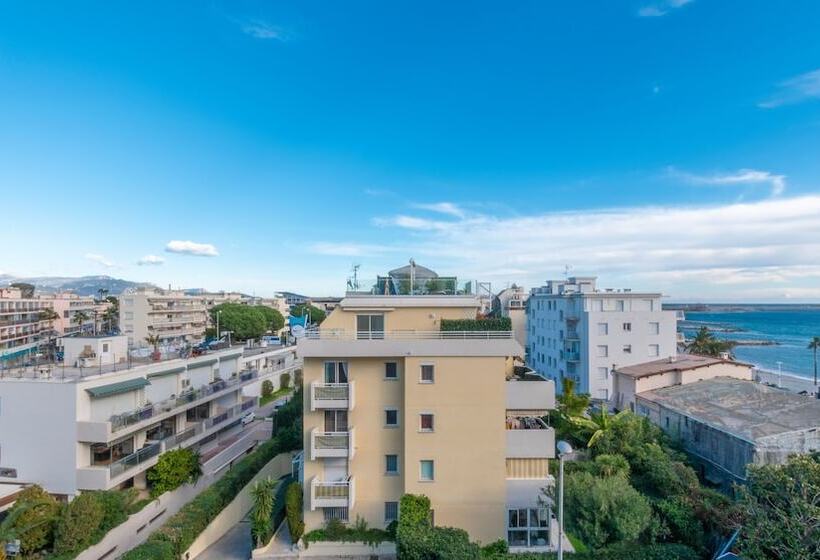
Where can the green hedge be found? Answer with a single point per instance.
(490, 324)
(180, 531)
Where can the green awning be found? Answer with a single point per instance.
(165, 372)
(118, 388)
(203, 363)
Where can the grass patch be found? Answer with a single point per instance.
(276, 395)
(576, 543)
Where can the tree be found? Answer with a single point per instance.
(31, 520)
(111, 316)
(603, 511)
(267, 388)
(26, 289)
(814, 346)
(316, 315)
(173, 469)
(262, 494)
(244, 321)
(569, 405)
(782, 510)
(293, 511)
(706, 344)
(274, 320)
(153, 340)
(80, 317)
(78, 524)
(598, 424)
(284, 381)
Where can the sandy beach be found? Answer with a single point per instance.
(787, 381)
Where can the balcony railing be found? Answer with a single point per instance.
(571, 356)
(332, 395)
(342, 334)
(133, 460)
(331, 444)
(332, 494)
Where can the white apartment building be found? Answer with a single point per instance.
(21, 325)
(71, 429)
(579, 331)
(172, 315)
(512, 302)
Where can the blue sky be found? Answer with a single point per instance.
(261, 146)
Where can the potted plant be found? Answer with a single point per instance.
(153, 340)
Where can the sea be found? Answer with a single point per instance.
(789, 327)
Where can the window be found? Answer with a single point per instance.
(627, 327)
(427, 470)
(428, 373)
(619, 305)
(335, 372)
(602, 351)
(627, 348)
(335, 420)
(391, 417)
(129, 316)
(528, 527)
(391, 370)
(654, 350)
(603, 329)
(391, 512)
(654, 328)
(370, 327)
(338, 513)
(597, 305)
(603, 373)
(391, 464)
(105, 347)
(425, 422)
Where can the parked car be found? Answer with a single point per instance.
(248, 418)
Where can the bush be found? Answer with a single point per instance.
(293, 511)
(490, 324)
(267, 389)
(173, 469)
(284, 381)
(417, 540)
(495, 548)
(37, 510)
(335, 531)
(79, 523)
(152, 550)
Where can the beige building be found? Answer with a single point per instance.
(512, 303)
(67, 305)
(393, 405)
(172, 315)
(680, 370)
(21, 325)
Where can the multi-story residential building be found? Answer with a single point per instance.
(581, 332)
(393, 405)
(172, 315)
(512, 302)
(292, 298)
(21, 325)
(102, 426)
(67, 305)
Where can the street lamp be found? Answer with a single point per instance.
(218, 313)
(564, 449)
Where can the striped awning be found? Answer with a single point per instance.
(118, 388)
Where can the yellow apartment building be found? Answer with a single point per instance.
(394, 405)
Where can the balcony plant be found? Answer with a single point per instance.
(153, 340)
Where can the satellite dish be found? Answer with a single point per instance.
(298, 331)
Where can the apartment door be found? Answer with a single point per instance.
(335, 420)
(370, 327)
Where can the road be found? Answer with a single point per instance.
(234, 545)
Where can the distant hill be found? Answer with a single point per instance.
(83, 285)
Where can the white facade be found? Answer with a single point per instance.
(21, 325)
(171, 315)
(93, 351)
(512, 303)
(578, 331)
(70, 429)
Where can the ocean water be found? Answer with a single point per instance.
(791, 329)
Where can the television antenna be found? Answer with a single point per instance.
(567, 270)
(353, 281)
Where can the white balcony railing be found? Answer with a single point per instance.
(342, 334)
(332, 444)
(340, 493)
(332, 395)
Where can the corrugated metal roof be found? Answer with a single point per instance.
(118, 388)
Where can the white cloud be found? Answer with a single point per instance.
(739, 177)
(259, 29)
(725, 250)
(150, 260)
(442, 208)
(192, 248)
(100, 259)
(662, 8)
(348, 249)
(795, 90)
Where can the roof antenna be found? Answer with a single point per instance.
(567, 270)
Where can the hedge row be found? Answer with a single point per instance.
(182, 529)
(489, 324)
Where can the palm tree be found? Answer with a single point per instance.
(10, 532)
(153, 340)
(110, 317)
(261, 514)
(814, 345)
(598, 423)
(48, 314)
(80, 317)
(706, 344)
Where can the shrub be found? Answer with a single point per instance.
(262, 512)
(284, 381)
(79, 523)
(293, 511)
(152, 550)
(173, 469)
(495, 548)
(489, 324)
(417, 540)
(36, 511)
(267, 389)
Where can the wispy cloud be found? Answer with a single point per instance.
(150, 260)
(349, 249)
(260, 29)
(192, 248)
(758, 249)
(795, 90)
(442, 208)
(662, 7)
(740, 177)
(100, 259)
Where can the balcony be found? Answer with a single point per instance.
(332, 494)
(332, 395)
(572, 356)
(332, 444)
(572, 335)
(529, 438)
(531, 393)
(349, 343)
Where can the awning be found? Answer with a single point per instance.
(203, 363)
(165, 372)
(118, 388)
